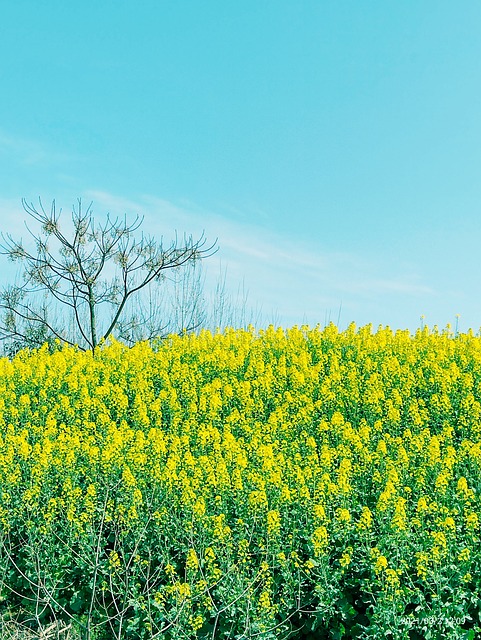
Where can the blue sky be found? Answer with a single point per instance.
(333, 147)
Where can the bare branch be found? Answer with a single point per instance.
(89, 277)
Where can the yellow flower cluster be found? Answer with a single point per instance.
(314, 439)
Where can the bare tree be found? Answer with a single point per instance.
(99, 279)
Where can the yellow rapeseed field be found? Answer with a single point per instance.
(247, 484)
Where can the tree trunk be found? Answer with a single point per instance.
(93, 328)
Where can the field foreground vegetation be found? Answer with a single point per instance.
(306, 483)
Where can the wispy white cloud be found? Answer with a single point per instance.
(12, 216)
(287, 278)
(393, 286)
(30, 152)
(287, 281)
(27, 151)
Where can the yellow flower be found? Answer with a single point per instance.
(386, 496)
(392, 578)
(309, 564)
(319, 511)
(380, 565)
(319, 540)
(343, 515)
(463, 489)
(422, 506)
(264, 600)
(199, 507)
(273, 522)
(464, 555)
(221, 530)
(365, 520)
(114, 560)
(399, 519)
(442, 482)
(128, 477)
(181, 590)
(449, 524)
(192, 561)
(196, 622)
(472, 521)
(422, 564)
(209, 554)
(346, 557)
